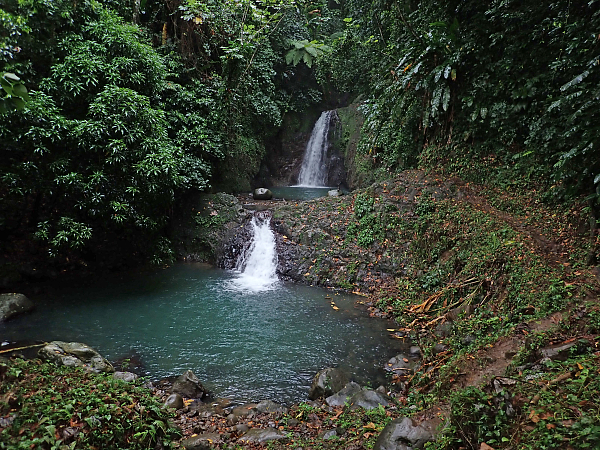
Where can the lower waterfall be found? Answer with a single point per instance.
(257, 265)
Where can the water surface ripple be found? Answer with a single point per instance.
(243, 345)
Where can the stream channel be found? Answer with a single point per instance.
(243, 345)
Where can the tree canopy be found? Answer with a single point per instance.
(112, 110)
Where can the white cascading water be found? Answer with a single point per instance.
(257, 265)
(313, 172)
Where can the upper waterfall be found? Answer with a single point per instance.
(314, 170)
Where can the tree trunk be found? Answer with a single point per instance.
(136, 11)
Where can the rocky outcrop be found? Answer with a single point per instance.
(356, 397)
(75, 354)
(189, 386)
(13, 304)
(327, 382)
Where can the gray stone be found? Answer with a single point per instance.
(128, 377)
(174, 401)
(262, 435)
(368, 399)
(330, 434)
(334, 193)
(75, 354)
(560, 352)
(344, 395)
(262, 194)
(13, 304)
(188, 385)
(201, 442)
(327, 382)
(268, 406)
(415, 351)
(404, 434)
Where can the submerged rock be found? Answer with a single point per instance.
(189, 386)
(13, 304)
(327, 382)
(75, 354)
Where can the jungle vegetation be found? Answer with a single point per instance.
(130, 105)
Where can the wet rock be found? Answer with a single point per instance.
(13, 304)
(404, 434)
(260, 435)
(201, 442)
(368, 399)
(244, 410)
(402, 365)
(188, 385)
(262, 194)
(334, 193)
(344, 395)
(174, 401)
(268, 406)
(75, 354)
(128, 377)
(327, 382)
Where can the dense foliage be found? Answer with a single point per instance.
(124, 117)
(469, 86)
(46, 406)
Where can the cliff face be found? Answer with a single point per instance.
(285, 151)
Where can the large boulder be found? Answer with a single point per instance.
(327, 382)
(75, 354)
(262, 194)
(344, 395)
(174, 401)
(368, 399)
(189, 386)
(13, 304)
(405, 434)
